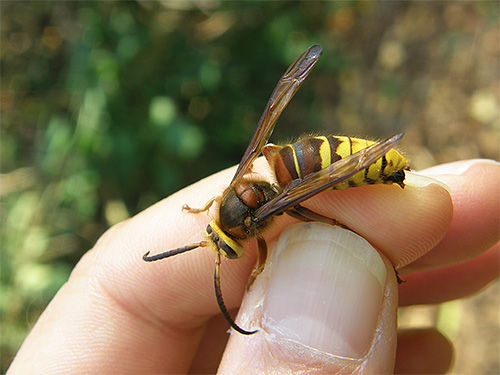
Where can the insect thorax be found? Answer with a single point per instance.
(236, 212)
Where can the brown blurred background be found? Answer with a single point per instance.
(107, 107)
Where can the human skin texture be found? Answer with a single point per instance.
(118, 314)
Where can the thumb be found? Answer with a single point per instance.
(325, 303)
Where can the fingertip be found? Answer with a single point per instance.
(423, 351)
(420, 180)
(461, 167)
(421, 218)
(474, 186)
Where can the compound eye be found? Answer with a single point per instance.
(227, 251)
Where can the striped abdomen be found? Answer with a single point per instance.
(311, 154)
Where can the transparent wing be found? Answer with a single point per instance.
(286, 88)
(300, 190)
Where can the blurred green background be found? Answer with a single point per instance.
(108, 107)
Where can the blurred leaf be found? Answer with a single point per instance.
(91, 121)
(34, 279)
(162, 111)
(35, 242)
(79, 191)
(58, 139)
(21, 212)
(209, 76)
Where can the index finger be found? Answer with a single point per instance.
(119, 314)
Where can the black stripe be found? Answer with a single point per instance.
(315, 146)
(230, 253)
(382, 171)
(369, 181)
(289, 161)
(334, 145)
(300, 155)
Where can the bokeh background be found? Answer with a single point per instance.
(108, 107)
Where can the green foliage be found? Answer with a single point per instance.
(108, 107)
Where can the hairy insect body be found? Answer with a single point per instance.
(311, 154)
(238, 204)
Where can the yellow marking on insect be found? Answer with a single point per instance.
(344, 147)
(324, 152)
(238, 249)
(359, 178)
(296, 162)
(343, 150)
(394, 162)
(374, 171)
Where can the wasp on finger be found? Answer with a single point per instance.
(302, 169)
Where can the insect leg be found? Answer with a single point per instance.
(305, 214)
(297, 215)
(220, 301)
(205, 207)
(398, 278)
(261, 262)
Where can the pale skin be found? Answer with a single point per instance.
(118, 314)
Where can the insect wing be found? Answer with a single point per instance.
(300, 190)
(286, 88)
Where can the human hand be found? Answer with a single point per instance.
(118, 314)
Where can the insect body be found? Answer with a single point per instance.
(304, 169)
(311, 154)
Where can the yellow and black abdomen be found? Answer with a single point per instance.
(312, 154)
